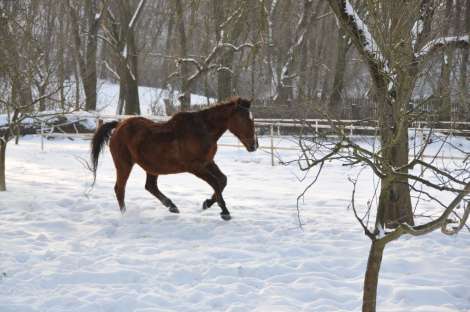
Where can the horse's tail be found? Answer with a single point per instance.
(100, 137)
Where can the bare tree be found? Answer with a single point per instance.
(85, 53)
(335, 101)
(288, 73)
(395, 41)
(18, 64)
(463, 84)
(443, 103)
(121, 37)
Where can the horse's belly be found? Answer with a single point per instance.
(158, 169)
(162, 163)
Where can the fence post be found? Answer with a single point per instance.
(351, 129)
(42, 136)
(272, 144)
(316, 126)
(99, 122)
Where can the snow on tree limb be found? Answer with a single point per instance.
(206, 64)
(422, 27)
(441, 43)
(137, 12)
(360, 35)
(300, 31)
(367, 39)
(442, 222)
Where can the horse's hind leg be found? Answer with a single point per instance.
(123, 163)
(122, 174)
(152, 187)
(221, 180)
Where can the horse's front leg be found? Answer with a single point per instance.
(152, 187)
(212, 179)
(221, 180)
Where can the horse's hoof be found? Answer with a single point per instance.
(225, 216)
(123, 209)
(205, 204)
(173, 209)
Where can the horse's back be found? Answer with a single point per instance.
(174, 146)
(153, 146)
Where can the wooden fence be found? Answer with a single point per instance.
(274, 128)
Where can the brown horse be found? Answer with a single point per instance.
(185, 143)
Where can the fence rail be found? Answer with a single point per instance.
(271, 123)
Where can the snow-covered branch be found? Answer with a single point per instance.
(237, 14)
(300, 30)
(422, 27)
(442, 222)
(136, 15)
(439, 44)
(359, 32)
(206, 64)
(111, 70)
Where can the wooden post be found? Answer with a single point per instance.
(42, 136)
(272, 144)
(99, 123)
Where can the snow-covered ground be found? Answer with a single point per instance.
(66, 249)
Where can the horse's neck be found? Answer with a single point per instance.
(217, 119)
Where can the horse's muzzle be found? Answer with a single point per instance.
(254, 147)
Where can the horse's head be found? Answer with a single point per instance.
(242, 124)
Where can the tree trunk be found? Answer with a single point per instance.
(463, 86)
(61, 59)
(90, 78)
(394, 200)
(444, 105)
(185, 97)
(122, 86)
(3, 148)
(371, 278)
(335, 103)
(167, 63)
(128, 68)
(224, 77)
(41, 94)
(77, 86)
(132, 101)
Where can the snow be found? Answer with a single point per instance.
(136, 14)
(65, 248)
(369, 43)
(3, 119)
(151, 99)
(441, 41)
(124, 52)
(417, 29)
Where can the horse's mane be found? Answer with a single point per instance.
(220, 109)
(229, 103)
(214, 114)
